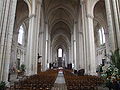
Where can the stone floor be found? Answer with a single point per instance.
(60, 82)
(60, 78)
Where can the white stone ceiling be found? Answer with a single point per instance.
(60, 15)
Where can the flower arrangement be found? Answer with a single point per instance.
(111, 73)
(111, 76)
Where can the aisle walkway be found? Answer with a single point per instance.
(60, 82)
(61, 85)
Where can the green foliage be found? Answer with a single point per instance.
(100, 68)
(112, 72)
(23, 67)
(2, 85)
(115, 58)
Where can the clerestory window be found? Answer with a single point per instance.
(60, 52)
(21, 35)
(101, 36)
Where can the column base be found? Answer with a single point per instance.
(93, 73)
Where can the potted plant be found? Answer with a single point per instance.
(23, 67)
(2, 85)
(112, 72)
(115, 58)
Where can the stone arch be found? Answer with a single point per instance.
(66, 11)
(29, 5)
(94, 2)
(66, 26)
(53, 8)
(60, 20)
(100, 21)
(21, 13)
(21, 16)
(63, 35)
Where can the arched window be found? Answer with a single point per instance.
(60, 52)
(21, 35)
(101, 36)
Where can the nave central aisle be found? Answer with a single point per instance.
(60, 82)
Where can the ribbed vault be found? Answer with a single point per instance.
(60, 15)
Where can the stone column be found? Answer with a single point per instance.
(30, 55)
(91, 42)
(118, 9)
(41, 40)
(106, 32)
(2, 6)
(69, 61)
(3, 21)
(117, 22)
(33, 34)
(51, 54)
(13, 57)
(85, 40)
(6, 27)
(46, 47)
(90, 39)
(48, 50)
(40, 48)
(72, 56)
(112, 40)
(36, 40)
(74, 45)
(81, 48)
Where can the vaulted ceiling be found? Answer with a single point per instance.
(60, 15)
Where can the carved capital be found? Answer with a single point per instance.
(90, 16)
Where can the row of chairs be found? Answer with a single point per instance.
(87, 82)
(41, 81)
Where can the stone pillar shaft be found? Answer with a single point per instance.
(116, 19)
(49, 49)
(74, 46)
(46, 47)
(41, 40)
(69, 61)
(85, 44)
(112, 41)
(91, 45)
(38, 16)
(81, 52)
(29, 54)
(33, 34)
(6, 29)
(72, 55)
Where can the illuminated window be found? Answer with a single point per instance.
(59, 52)
(101, 36)
(21, 35)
